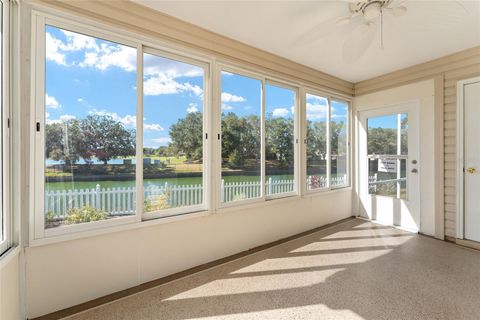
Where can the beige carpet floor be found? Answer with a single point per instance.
(355, 270)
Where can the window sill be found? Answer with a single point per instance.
(181, 217)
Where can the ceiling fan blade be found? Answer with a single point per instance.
(357, 44)
(318, 32)
(458, 2)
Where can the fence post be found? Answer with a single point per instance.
(270, 186)
(222, 191)
(97, 196)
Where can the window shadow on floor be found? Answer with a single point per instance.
(356, 270)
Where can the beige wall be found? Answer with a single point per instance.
(423, 92)
(68, 273)
(447, 71)
(10, 287)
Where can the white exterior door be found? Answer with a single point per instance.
(471, 170)
(388, 165)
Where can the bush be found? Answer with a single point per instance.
(158, 202)
(84, 214)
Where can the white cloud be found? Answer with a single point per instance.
(52, 50)
(106, 56)
(67, 117)
(316, 111)
(193, 107)
(128, 120)
(51, 102)
(292, 109)
(155, 65)
(228, 97)
(226, 107)
(163, 84)
(280, 112)
(62, 119)
(80, 99)
(152, 127)
(162, 140)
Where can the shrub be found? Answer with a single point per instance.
(84, 214)
(156, 202)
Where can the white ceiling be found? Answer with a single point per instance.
(304, 31)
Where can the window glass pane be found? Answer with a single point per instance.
(241, 137)
(279, 130)
(387, 148)
(338, 143)
(172, 134)
(316, 142)
(90, 113)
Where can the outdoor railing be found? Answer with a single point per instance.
(122, 200)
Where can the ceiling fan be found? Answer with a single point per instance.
(363, 17)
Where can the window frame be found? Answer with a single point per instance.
(296, 145)
(329, 97)
(206, 125)
(6, 218)
(240, 70)
(39, 24)
(212, 126)
(348, 149)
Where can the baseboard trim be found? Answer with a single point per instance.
(176, 276)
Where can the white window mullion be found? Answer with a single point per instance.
(262, 142)
(329, 156)
(301, 119)
(139, 139)
(216, 116)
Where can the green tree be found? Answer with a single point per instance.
(64, 141)
(316, 140)
(279, 140)
(187, 136)
(240, 138)
(105, 138)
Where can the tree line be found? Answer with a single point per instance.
(102, 137)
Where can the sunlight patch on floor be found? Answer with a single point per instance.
(224, 287)
(311, 312)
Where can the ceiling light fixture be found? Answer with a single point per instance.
(372, 10)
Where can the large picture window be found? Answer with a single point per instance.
(122, 133)
(173, 134)
(241, 98)
(90, 128)
(327, 146)
(280, 105)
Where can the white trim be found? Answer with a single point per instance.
(460, 226)
(6, 214)
(139, 137)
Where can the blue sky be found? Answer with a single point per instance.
(85, 75)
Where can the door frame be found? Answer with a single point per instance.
(411, 106)
(460, 195)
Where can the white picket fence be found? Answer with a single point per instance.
(122, 201)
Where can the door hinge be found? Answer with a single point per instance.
(38, 126)
(206, 135)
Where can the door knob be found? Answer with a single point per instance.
(471, 170)
(414, 170)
